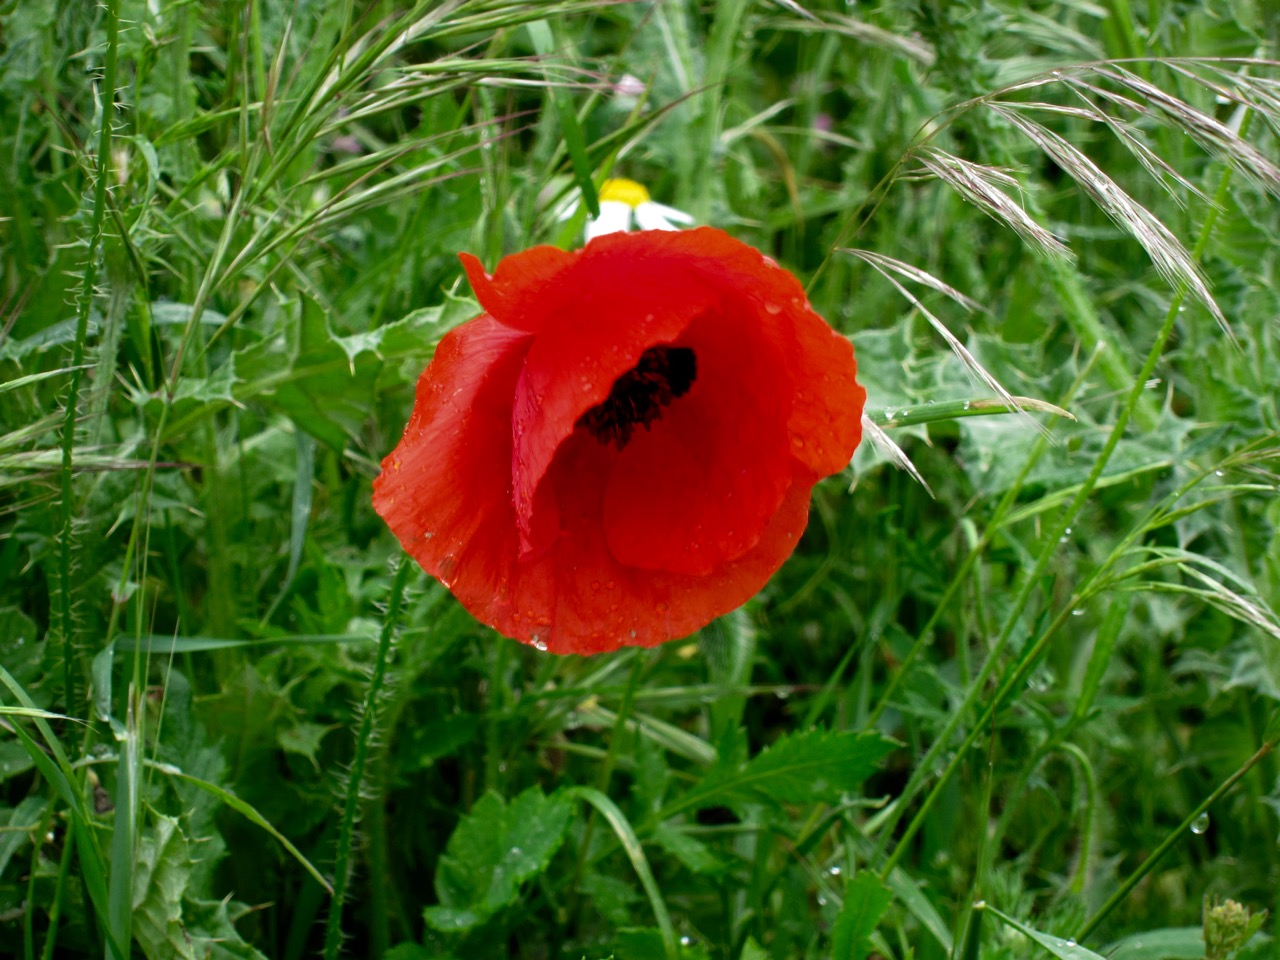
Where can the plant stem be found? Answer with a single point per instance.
(346, 830)
(1176, 834)
(111, 13)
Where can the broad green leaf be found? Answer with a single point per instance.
(494, 850)
(865, 901)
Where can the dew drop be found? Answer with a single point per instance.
(1200, 824)
(1218, 473)
(686, 941)
(822, 901)
(772, 308)
(517, 852)
(1077, 612)
(538, 642)
(834, 871)
(1071, 941)
(633, 634)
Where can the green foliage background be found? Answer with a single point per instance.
(1034, 700)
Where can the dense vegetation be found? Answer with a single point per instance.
(1018, 683)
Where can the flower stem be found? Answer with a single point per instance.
(342, 866)
(111, 15)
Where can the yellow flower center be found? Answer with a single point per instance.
(624, 191)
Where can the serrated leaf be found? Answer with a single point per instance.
(303, 738)
(159, 880)
(166, 923)
(865, 901)
(494, 849)
(811, 767)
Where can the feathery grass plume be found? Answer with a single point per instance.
(1217, 139)
(988, 188)
(1171, 259)
(887, 266)
(894, 453)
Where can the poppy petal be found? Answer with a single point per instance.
(516, 292)
(440, 483)
(594, 338)
(596, 603)
(698, 487)
(826, 413)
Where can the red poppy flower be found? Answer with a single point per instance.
(622, 446)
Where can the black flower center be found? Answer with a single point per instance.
(639, 396)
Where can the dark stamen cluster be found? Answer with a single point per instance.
(639, 396)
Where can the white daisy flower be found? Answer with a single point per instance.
(624, 202)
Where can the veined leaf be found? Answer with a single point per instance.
(494, 849)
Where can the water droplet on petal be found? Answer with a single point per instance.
(772, 308)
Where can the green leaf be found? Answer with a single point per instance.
(494, 849)
(303, 738)
(22, 820)
(1171, 943)
(159, 880)
(694, 854)
(811, 767)
(865, 901)
(166, 923)
(1062, 949)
